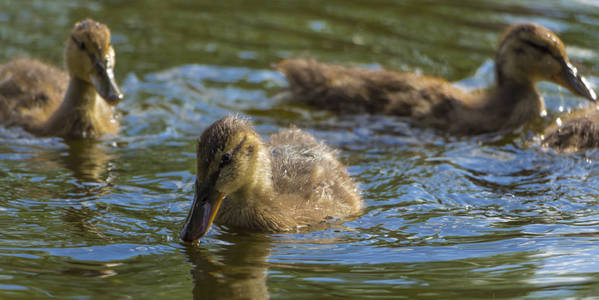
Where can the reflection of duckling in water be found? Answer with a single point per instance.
(288, 182)
(88, 160)
(36, 96)
(527, 53)
(576, 132)
(237, 271)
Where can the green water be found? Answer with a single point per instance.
(486, 217)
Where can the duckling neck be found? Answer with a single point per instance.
(259, 189)
(513, 102)
(512, 90)
(514, 83)
(505, 77)
(256, 206)
(81, 113)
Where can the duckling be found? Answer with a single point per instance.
(47, 102)
(577, 132)
(527, 53)
(287, 183)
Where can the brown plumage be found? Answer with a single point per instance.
(289, 182)
(527, 53)
(577, 132)
(46, 101)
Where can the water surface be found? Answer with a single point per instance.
(484, 217)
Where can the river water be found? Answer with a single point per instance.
(483, 217)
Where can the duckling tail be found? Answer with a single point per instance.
(305, 76)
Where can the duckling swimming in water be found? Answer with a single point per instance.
(577, 132)
(291, 181)
(47, 102)
(527, 53)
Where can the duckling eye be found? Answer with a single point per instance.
(225, 159)
(79, 44)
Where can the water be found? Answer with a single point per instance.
(484, 217)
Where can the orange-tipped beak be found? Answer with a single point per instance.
(206, 203)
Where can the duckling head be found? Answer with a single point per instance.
(529, 53)
(230, 155)
(89, 56)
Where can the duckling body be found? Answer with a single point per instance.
(30, 91)
(291, 181)
(47, 101)
(577, 132)
(527, 53)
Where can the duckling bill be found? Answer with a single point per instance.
(46, 101)
(527, 53)
(205, 205)
(292, 180)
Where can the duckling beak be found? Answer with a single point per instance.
(577, 84)
(203, 210)
(104, 82)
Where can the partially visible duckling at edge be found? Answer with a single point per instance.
(36, 96)
(289, 182)
(527, 53)
(578, 131)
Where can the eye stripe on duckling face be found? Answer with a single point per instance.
(543, 49)
(100, 50)
(227, 158)
(82, 47)
(80, 44)
(539, 48)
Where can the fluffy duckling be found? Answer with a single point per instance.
(291, 181)
(577, 132)
(47, 102)
(527, 53)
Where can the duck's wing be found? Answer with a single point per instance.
(30, 91)
(581, 131)
(307, 174)
(345, 89)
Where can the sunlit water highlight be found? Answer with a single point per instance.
(483, 217)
